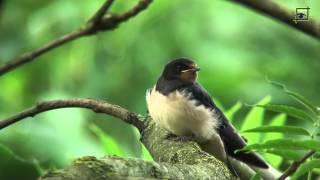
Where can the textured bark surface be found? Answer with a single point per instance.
(175, 160)
(112, 167)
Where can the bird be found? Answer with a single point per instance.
(181, 105)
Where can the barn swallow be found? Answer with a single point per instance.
(181, 105)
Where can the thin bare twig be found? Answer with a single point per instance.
(102, 11)
(27, 57)
(295, 165)
(142, 5)
(99, 22)
(284, 15)
(94, 105)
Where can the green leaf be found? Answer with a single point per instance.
(305, 102)
(254, 119)
(145, 153)
(233, 110)
(278, 120)
(256, 177)
(305, 167)
(279, 129)
(218, 104)
(289, 110)
(286, 154)
(111, 147)
(316, 171)
(286, 144)
(298, 97)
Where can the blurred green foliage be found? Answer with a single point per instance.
(235, 48)
(305, 139)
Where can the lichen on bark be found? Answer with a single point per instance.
(174, 160)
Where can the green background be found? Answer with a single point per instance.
(236, 48)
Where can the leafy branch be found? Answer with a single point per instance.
(310, 114)
(295, 165)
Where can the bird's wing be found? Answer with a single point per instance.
(231, 139)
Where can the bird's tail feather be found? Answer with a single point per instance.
(245, 171)
(270, 173)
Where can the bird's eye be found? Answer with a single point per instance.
(182, 67)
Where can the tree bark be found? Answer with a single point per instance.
(176, 159)
(112, 167)
(163, 149)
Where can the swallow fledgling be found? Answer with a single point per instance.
(181, 105)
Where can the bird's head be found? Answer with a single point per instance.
(181, 69)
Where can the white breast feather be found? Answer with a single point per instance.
(180, 115)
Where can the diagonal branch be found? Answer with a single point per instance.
(30, 56)
(94, 105)
(270, 8)
(142, 5)
(295, 165)
(99, 22)
(102, 11)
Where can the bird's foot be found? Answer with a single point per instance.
(175, 137)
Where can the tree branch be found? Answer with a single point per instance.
(112, 167)
(295, 165)
(174, 160)
(101, 12)
(142, 5)
(153, 137)
(280, 13)
(178, 158)
(163, 149)
(94, 105)
(99, 22)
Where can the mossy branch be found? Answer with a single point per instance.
(175, 160)
(112, 167)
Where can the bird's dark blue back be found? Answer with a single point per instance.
(231, 139)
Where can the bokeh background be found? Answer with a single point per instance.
(235, 47)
